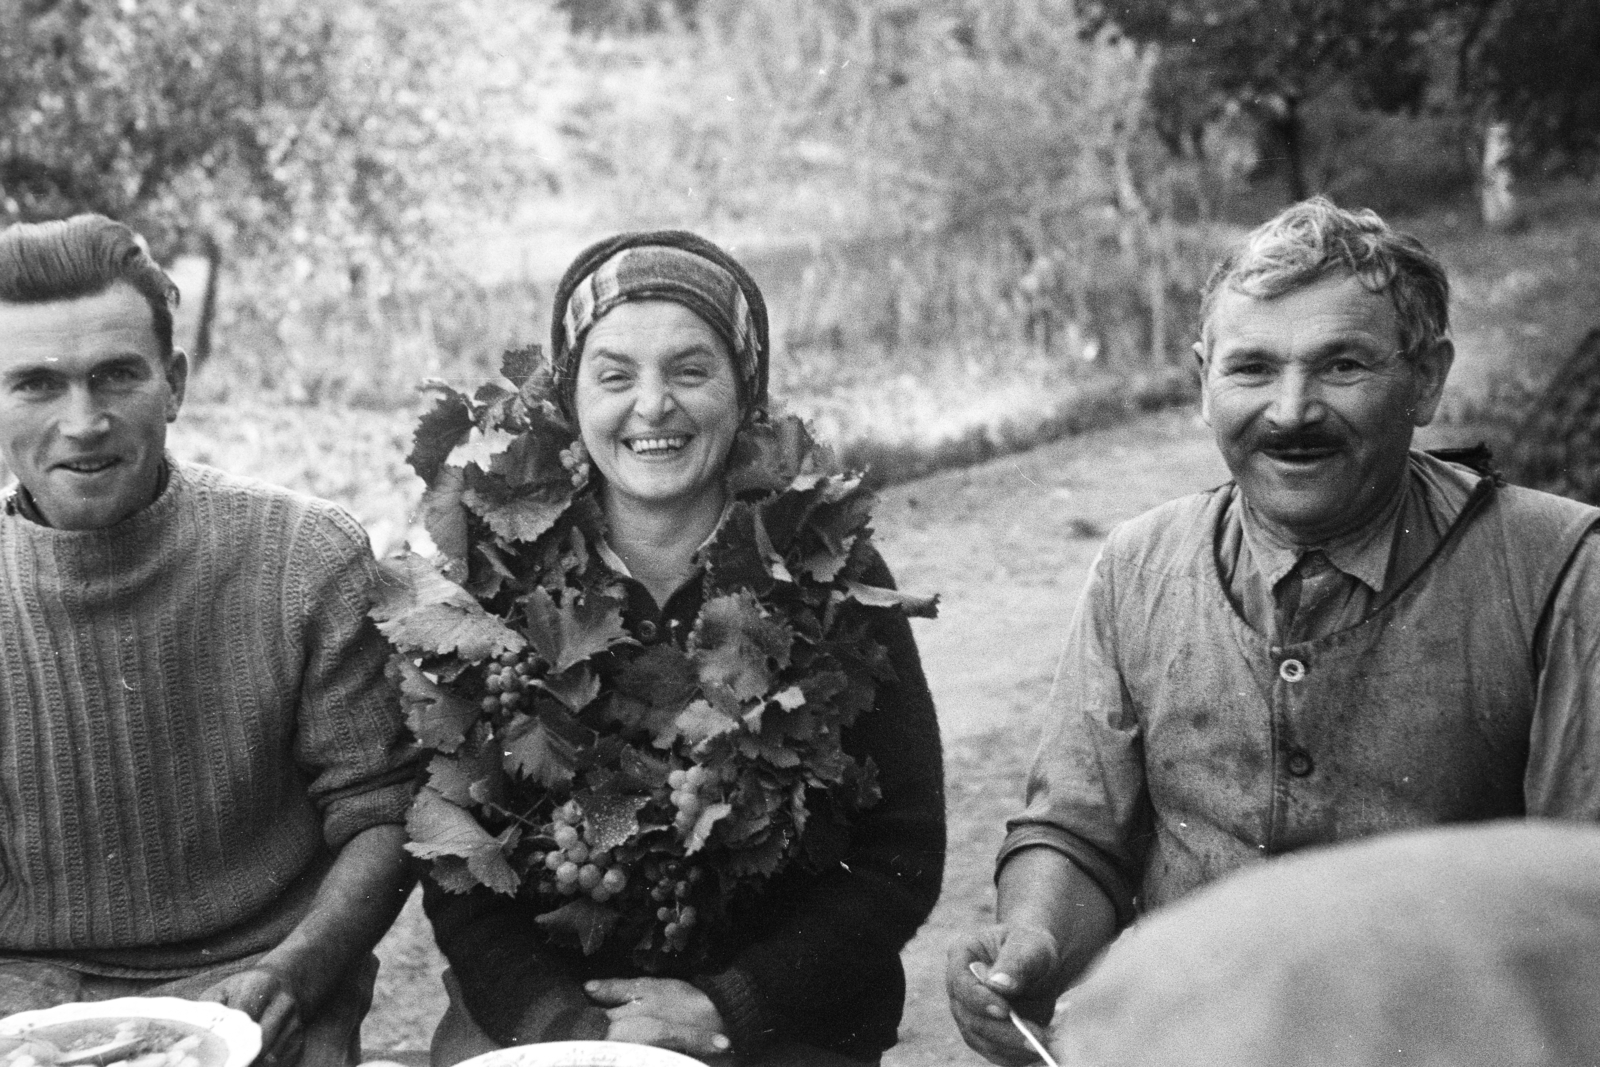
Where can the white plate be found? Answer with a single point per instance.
(581, 1054)
(237, 1030)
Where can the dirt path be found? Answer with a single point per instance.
(1006, 545)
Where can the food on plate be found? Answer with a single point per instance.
(114, 1043)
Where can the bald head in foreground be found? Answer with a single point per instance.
(1349, 638)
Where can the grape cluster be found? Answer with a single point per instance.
(508, 680)
(672, 884)
(575, 458)
(693, 789)
(572, 867)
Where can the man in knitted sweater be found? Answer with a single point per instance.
(203, 776)
(1349, 638)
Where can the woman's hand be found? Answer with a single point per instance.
(660, 1011)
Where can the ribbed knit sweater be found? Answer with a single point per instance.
(193, 719)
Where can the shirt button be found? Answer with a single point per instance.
(647, 630)
(1300, 763)
(1291, 670)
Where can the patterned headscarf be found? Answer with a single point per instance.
(661, 265)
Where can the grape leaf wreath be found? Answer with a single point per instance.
(630, 792)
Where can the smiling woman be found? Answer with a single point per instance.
(700, 764)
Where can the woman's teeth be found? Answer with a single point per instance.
(656, 446)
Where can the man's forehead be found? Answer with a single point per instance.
(90, 329)
(1324, 309)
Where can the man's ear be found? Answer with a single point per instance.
(1431, 367)
(177, 374)
(1205, 392)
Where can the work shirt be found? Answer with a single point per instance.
(1185, 740)
(1300, 592)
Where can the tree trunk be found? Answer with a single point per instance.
(208, 303)
(1497, 199)
(1291, 133)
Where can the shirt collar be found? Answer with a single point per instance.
(1362, 553)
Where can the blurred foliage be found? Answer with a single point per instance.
(309, 133)
(1536, 65)
(1274, 56)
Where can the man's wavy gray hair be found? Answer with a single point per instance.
(1314, 238)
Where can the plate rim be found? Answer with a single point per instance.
(660, 1057)
(238, 1031)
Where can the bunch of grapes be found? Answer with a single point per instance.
(692, 790)
(508, 680)
(572, 867)
(672, 885)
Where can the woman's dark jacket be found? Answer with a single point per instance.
(816, 958)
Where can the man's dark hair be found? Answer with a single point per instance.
(42, 262)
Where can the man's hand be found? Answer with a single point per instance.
(663, 1012)
(998, 970)
(266, 997)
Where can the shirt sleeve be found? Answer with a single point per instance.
(1086, 793)
(1563, 775)
(350, 742)
(829, 959)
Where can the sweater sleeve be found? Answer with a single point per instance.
(515, 991)
(350, 739)
(831, 950)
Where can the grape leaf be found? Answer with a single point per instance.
(481, 448)
(462, 780)
(825, 563)
(762, 860)
(445, 519)
(703, 826)
(437, 717)
(532, 750)
(575, 687)
(512, 513)
(439, 828)
(700, 721)
(518, 365)
(660, 675)
(769, 454)
(609, 819)
(534, 458)
(577, 629)
(736, 647)
(439, 430)
(421, 610)
(581, 920)
(790, 698)
(734, 558)
(873, 596)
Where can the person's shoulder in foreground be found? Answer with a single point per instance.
(1350, 638)
(1445, 947)
(236, 836)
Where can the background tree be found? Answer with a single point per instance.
(313, 133)
(1529, 70)
(1273, 56)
